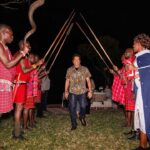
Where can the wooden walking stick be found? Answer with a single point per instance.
(97, 40)
(71, 16)
(92, 44)
(68, 32)
(65, 30)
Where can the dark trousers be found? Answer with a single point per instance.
(73, 99)
(42, 106)
(39, 110)
(88, 106)
(44, 99)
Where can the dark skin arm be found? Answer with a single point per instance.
(116, 71)
(43, 74)
(7, 63)
(24, 68)
(28, 69)
(41, 68)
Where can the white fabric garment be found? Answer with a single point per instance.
(139, 120)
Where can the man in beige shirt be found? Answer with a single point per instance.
(75, 90)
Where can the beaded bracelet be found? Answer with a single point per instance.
(34, 66)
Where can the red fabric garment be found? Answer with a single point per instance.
(32, 90)
(6, 77)
(129, 60)
(128, 87)
(6, 103)
(20, 90)
(35, 83)
(30, 102)
(122, 87)
(32, 85)
(5, 73)
(38, 98)
(130, 75)
(20, 74)
(21, 93)
(129, 101)
(118, 90)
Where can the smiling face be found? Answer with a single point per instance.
(76, 61)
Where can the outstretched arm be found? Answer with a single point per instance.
(26, 69)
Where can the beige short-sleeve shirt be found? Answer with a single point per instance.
(77, 79)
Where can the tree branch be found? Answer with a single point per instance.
(9, 4)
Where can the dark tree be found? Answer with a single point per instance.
(111, 45)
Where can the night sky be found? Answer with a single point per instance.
(121, 21)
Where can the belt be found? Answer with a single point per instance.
(19, 82)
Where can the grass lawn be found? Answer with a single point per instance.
(103, 132)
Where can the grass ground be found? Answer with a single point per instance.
(104, 131)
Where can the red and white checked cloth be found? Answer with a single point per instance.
(118, 94)
(6, 102)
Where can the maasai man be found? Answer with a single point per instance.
(128, 88)
(117, 87)
(41, 73)
(23, 76)
(32, 92)
(7, 73)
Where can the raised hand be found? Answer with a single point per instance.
(26, 48)
(40, 62)
(115, 68)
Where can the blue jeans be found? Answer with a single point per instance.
(73, 99)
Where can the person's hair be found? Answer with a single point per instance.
(2, 26)
(31, 53)
(36, 55)
(76, 55)
(143, 39)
